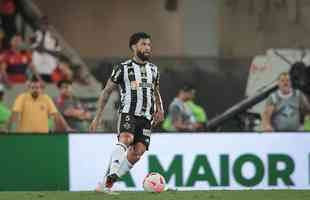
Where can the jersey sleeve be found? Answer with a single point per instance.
(117, 74)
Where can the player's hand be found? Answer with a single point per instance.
(158, 117)
(93, 125)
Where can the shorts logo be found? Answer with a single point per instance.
(126, 126)
(127, 118)
(116, 161)
(147, 132)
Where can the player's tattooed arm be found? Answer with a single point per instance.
(159, 113)
(104, 96)
(103, 99)
(158, 100)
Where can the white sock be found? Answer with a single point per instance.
(107, 172)
(125, 167)
(117, 157)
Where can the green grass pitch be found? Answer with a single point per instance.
(191, 195)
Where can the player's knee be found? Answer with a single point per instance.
(139, 152)
(134, 155)
(137, 156)
(126, 138)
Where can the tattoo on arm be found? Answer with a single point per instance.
(158, 100)
(104, 97)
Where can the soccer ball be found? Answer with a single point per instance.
(154, 182)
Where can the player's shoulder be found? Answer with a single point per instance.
(152, 65)
(126, 63)
(122, 64)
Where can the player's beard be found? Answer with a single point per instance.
(143, 56)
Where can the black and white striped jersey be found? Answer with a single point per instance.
(137, 84)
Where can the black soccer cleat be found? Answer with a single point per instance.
(111, 179)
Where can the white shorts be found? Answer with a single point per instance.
(44, 63)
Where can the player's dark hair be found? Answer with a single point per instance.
(134, 38)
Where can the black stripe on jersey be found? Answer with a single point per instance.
(122, 83)
(152, 102)
(134, 96)
(117, 74)
(153, 91)
(144, 94)
(123, 91)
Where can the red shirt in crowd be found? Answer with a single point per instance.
(17, 65)
(7, 7)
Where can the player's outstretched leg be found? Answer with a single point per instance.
(117, 157)
(134, 154)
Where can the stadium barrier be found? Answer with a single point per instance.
(34, 162)
(77, 162)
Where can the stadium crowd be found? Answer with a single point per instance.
(33, 63)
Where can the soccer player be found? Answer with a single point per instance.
(141, 108)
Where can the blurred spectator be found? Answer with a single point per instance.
(284, 107)
(5, 113)
(198, 112)
(180, 116)
(62, 71)
(307, 123)
(81, 75)
(46, 55)
(8, 18)
(15, 62)
(71, 108)
(32, 109)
